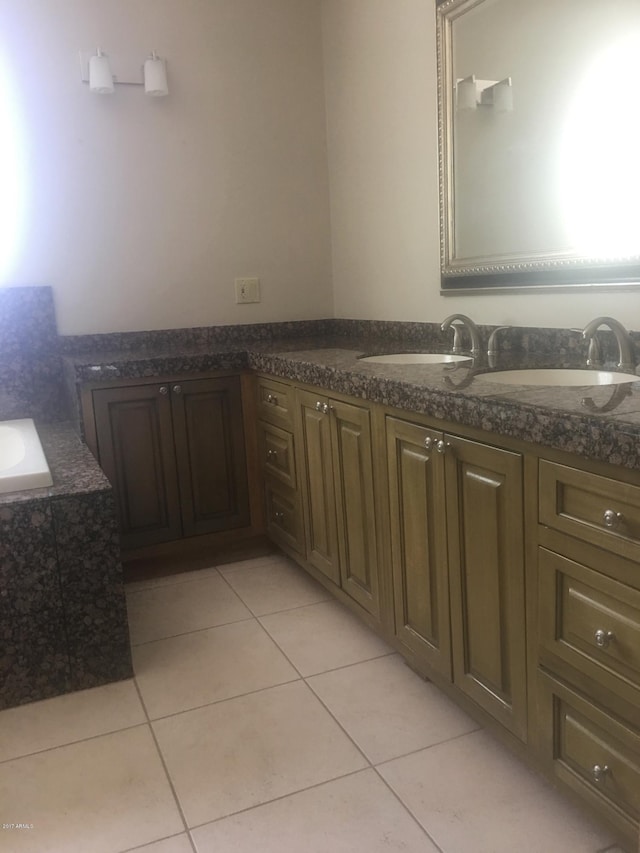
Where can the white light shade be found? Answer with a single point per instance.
(467, 93)
(503, 96)
(155, 77)
(100, 76)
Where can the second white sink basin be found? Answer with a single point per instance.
(562, 377)
(415, 358)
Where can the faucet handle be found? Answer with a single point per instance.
(492, 346)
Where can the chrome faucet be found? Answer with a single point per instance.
(460, 321)
(625, 354)
(492, 346)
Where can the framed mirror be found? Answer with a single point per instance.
(539, 143)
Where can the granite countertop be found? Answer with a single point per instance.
(597, 422)
(73, 467)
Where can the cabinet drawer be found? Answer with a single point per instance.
(275, 402)
(284, 516)
(595, 509)
(592, 622)
(592, 752)
(277, 455)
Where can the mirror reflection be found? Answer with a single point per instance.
(540, 134)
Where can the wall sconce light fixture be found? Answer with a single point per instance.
(155, 76)
(100, 76)
(103, 72)
(471, 93)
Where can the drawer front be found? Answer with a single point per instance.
(284, 516)
(277, 454)
(590, 621)
(592, 752)
(275, 402)
(595, 509)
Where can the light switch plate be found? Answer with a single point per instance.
(247, 290)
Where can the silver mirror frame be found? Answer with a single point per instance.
(517, 272)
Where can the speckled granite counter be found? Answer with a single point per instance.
(63, 619)
(601, 423)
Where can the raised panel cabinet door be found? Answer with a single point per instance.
(355, 507)
(209, 442)
(135, 448)
(317, 483)
(419, 542)
(486, 575)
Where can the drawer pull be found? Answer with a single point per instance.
(612, 518)
(599, 772)
(603, 638)
(271, 398)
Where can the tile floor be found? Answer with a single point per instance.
(264, 717)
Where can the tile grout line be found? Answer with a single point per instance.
(406, 807)
(164, 767)
(192, 631)
(282, 797)
(142, 847)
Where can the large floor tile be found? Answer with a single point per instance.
(171, 579)
(69, 718)
(246, 751)
(474, 797)
(192, 670)
(166, 611)
(356, 814)
(323, 636)
(175, 844)
(101, 795)
(389, 710)
(273, 586)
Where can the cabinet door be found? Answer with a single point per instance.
(135, 449)
(317, 482)
(486, 573)
(355, 506)
(209, 442)
(419, 542)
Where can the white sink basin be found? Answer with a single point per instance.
(415, 358)
(562, 377)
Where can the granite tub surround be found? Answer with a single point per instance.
(31, 379)
(63, 621)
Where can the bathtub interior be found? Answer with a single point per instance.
(23, 464)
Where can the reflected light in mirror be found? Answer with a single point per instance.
(599, 162)
(12, 177)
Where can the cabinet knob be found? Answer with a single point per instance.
(272, 454)
(164, 390)
(612, 518)
(177, 389)
(441, 446)
(278, 516)
(322, 407)
(428, 442)
(603, 638)
(599, 771)
(271, 398)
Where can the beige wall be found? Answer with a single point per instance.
(142, 211)
(380, 77)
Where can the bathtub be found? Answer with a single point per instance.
(22, 461)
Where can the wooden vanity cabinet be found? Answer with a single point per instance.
(277, 456)
(174, 453)
(457, 555)
(588, 639)
(336, 463)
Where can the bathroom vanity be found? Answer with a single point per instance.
(489, 532)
